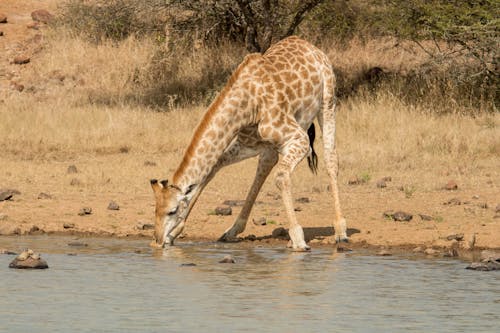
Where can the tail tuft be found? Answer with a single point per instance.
(312, 159)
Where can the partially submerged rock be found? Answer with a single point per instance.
(227, 260)
(28, 259)
(490, 261)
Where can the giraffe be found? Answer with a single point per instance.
(267, 109)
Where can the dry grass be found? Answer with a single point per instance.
(89, 98)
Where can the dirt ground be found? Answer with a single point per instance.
(472, 209)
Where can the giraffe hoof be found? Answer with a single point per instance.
(341, 239)
(306, 248)
(228, 239)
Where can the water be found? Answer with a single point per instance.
(108, 287)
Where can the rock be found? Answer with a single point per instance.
(227, 260)
(384, 253)
(398, 216)
(234, 203)
(3, 18)
(424, 217)
(141, 225)
(7, 193)
(488, 255)
(298, 209)
(113, 205)
(453, 202)
(430, 251)
(28, 259)
(85, 211)
(381, 183)
(72, 169)
(223, 210)
(16, 86)
(149, 163)
(484, 266)
(35, 229)
(260, 222)
(188, 264)
(75, 182)
(457, 237)
(68, 225)
(418, 249)
(251, 238)
(77, 244)
(303, 200)
(43, 195)
(21, 59)
(475, 197)
(451, 186)
(42, 15)
(280, 233)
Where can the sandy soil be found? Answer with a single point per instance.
(124, 179)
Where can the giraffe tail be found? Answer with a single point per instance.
(312, 158)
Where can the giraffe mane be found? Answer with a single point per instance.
(209, 114)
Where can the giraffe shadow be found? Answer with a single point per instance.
(311, 233)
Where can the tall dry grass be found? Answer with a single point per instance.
(96, 99)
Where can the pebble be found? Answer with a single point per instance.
(223, 210)
(260, 222)
(43, 195)
(113, 205)
(68, 225)
(85, 211)
(21, 60)
(451, 186)
(227, 260)
(430, 251)
(457, 237)
(424, 217)
(384, 253)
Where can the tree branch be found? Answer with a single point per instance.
(303, 9)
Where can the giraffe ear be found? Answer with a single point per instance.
(155, 186)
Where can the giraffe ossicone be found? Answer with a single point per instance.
(267, 108)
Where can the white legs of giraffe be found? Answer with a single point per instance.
(267, 161)
(326, 121)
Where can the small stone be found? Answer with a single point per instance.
(260, 222)
(303, 200)
(113, 205)
(384, 253)
(475, 197)
(223, 210)
(234, 203)
(457, 237)
(453, 202)
(298, 209)
(77, 244)
(3, 18)
(21, 60)
(488, 255)
(43, 195)
(430, 251)
(251, 238)
(149, 163)
(484, 266)
(42, 15)
(141, 225)
(68, 225)
(451, 186)
(418, 249)
(29, 263)
(424, 217)
(7, 193)
(188, 264)
(399, 216)
(280, 233)
(75, 182)
(72, 169)
(85, 211)
(381, 183)
(16, 86)
(227, 260)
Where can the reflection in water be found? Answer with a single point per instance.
(123, 286)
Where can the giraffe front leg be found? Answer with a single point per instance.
(267, 161)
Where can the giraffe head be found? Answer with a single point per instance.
(171, 209)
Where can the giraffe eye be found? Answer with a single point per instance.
(173, 211)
